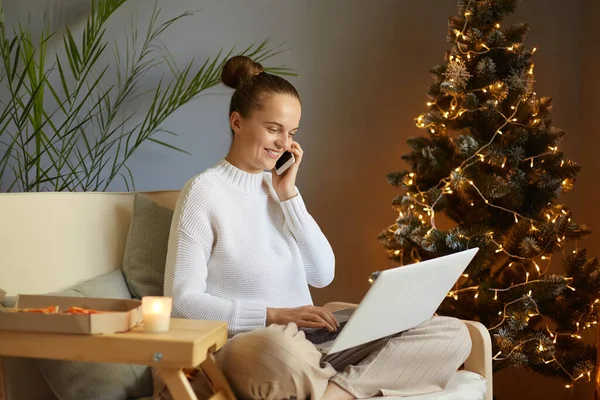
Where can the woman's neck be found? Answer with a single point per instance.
(235, 158)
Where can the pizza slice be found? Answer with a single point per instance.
(45, 310)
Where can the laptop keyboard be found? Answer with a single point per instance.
(319, 336)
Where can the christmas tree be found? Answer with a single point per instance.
(489, 168)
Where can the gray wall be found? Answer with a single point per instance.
(364, 72)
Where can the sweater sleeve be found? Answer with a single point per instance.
(316, 252)
(186, 272)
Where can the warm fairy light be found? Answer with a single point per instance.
(516, 219)
(537, 267)
(410, 182)
(429, 104)
(534, 50)
(397, 252)
(497, 26)
(476, 295)
(495, 295)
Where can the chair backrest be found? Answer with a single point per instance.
(54, 240)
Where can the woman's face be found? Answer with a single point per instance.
(267, 132)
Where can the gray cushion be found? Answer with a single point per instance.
(82, 380)
(146, 248)
(9, 301)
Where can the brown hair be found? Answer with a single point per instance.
(252, 84)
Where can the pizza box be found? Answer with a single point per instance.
(120, 315)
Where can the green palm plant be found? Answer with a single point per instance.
(64, 128)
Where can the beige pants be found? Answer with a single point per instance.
(277, 363)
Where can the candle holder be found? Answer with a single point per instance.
(157, 313)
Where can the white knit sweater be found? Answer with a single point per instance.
(235, 249)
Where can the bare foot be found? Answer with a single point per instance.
(334, 392)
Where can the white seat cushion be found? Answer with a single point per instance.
(464, 385)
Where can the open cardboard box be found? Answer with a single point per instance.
(124, 315)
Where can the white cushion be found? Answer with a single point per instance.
(464, 385)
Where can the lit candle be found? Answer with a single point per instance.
(157, 313)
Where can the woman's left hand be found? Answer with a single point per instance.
(285, 184)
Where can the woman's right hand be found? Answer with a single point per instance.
(303, 317)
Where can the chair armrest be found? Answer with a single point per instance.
(480, 359)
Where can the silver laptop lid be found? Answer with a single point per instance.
(401, 298)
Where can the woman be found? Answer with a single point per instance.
(243, 249)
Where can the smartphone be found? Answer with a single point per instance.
(286, 160)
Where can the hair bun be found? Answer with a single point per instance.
(239, 69)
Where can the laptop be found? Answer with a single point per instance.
(399, 299)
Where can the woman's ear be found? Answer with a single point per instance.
(235, 121)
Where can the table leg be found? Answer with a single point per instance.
(3, 394)
(178, 385)
(217, 379)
